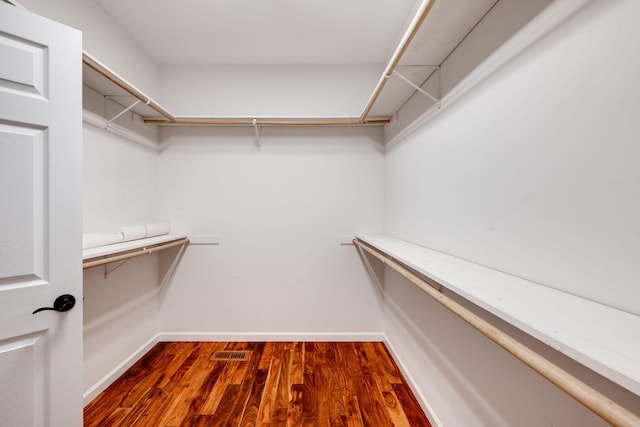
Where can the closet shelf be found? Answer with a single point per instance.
(600, 337)
(102, 255)
(99, 77)
(108, 83)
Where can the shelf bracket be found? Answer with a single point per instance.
(419, 89)
(108, 122)
(108, 272)
(257, 130)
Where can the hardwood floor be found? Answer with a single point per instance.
(280, 384)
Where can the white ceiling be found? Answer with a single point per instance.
(264, 31)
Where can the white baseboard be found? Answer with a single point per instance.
(417, 392)
(271, 336)
(108, 379)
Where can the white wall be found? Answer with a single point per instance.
(279, 213)
(534, 173)
(120, 182)
(268, 90)
(120, 312)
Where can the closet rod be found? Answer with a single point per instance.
(415, 25)
(135, 253)
(595, 401)
(268, 122)
(121, 83)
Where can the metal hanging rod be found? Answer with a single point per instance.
(107, 259)
(95, 65)
(416, 23)
(592, 399)
(269, 122)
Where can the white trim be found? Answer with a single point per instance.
(417, 391)
(549, 19)
(100, 122)
(272, 336)
(109, 379)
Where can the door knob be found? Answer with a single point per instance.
(62, 303)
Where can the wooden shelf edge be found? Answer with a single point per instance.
(95, 257)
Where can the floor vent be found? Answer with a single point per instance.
(231, 355)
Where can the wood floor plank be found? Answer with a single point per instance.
(309, 390)
(294, 410)
(353, 413)
(297, 364)
(268, 403)
(180, 354)
(337, 387)
(386, 362)
(196, 405)
(186, 392)
(409, 403)
(246, 385)
(250, 415)
(323, 385)
(267, 355)
(385, 389)
(225, 408)
(115, 418)
(149, 408)
(281, 384)
(219, 388)
(369, 395)
(284, 384)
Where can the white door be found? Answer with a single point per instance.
(40, 220)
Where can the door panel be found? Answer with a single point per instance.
(22, 367)
(40, 220)
(25, 71)
(22, 209)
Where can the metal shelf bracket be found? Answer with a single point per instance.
(418, 88)
(109, 121)
(257, 130)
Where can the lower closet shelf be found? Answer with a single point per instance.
(598, 336)
(102, 255)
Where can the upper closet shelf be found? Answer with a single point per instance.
(600, 337)
(412, 63)
(99, 77)
(102, 255)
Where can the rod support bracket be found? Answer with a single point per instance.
(418, 88)
(257, 130)
(109, 121)
(107, 272)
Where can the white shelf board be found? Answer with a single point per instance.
(604, 339)
(129, 246)
(104, 86)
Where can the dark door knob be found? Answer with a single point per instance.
(62, 303)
